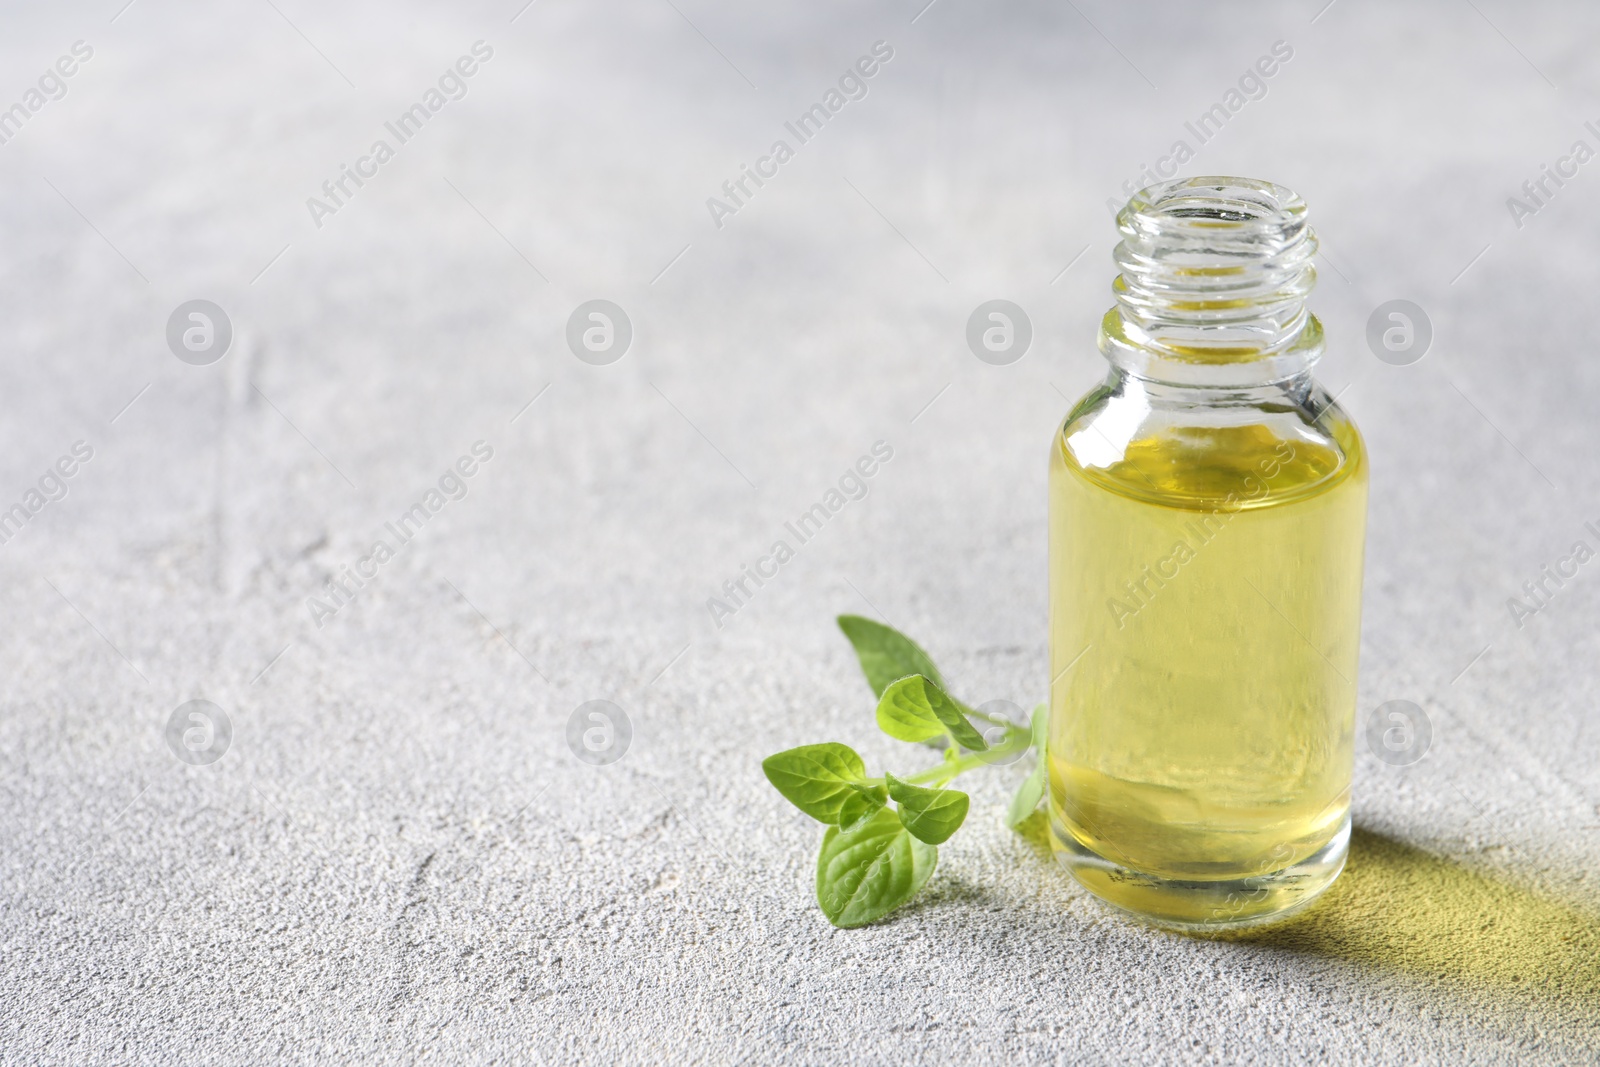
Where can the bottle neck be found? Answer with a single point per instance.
(1298, 389)
(1211, 294)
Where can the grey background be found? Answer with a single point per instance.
(398, 858)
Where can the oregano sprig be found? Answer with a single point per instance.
(875, 857)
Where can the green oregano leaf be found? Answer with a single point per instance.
(865, 873)
(916, 708)
(863, 803)
(1032, 789)
(930, 815)
(885, 653)
(816, 778)
(874, 857)
(1027, 796)
(904, 712)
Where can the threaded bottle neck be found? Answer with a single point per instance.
(1214, 276)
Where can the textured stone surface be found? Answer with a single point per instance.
(399, 858)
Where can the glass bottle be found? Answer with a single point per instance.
(1207, 523)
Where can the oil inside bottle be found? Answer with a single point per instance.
(1205, 602)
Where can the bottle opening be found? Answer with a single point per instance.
(1214, 271)
(1211, 207)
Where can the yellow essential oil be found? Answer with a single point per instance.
(1207, 518)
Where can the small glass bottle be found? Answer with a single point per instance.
(1207, 523)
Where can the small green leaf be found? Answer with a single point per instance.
(915, 709)
(885, 653)
(816, 778)
(862, 804)
(905, 713)
(1032, 789)
(1027, 797)
(931, 815)
(865, 873)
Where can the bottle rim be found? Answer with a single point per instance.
(1214, 272)
(1215, 208)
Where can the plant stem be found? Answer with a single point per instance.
(1017, 739)
(993, 720)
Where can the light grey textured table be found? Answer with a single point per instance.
(399, 858)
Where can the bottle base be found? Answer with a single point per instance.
(1204, 906)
